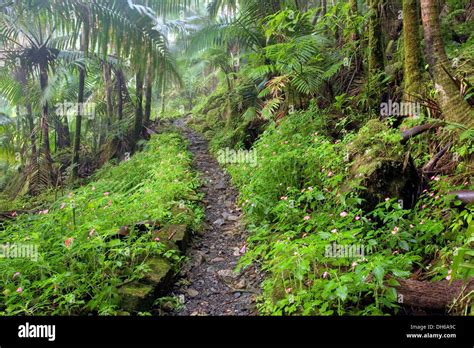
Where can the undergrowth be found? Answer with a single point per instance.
(302, 202)
(80, 263)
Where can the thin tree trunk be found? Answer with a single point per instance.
(163, 87)
(149, 90)
(77, 133)
(31, 125)
(80, 101)
(108, 90)
(48, 161)
(119, 87)
(139, 107)
(453, 106)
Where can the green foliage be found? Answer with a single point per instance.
(297, 207)
(80, 263)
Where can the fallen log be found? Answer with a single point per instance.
(410, 133)
(432, 295)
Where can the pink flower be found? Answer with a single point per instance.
(14, 214)
(354, 264)
(449, 275)
(68, 242)
(157, 239)
(343, 214)
(243, 249)
(334, 230)
(106, 194)
(395, 230)
(357, 218)
(306, 218)
(325, 274)
(17, 274)
(466, 183)
(19, 290)
(288, 290)
(330, 174)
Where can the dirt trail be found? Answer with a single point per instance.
(208, 283)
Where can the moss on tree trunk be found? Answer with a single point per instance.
(412, 52)
(375, 35)
(453, 106)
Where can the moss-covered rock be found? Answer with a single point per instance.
(136, 296)
(381, 165)
(175, 236)
(160, 272)
(140, 295)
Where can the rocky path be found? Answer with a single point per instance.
(208, 284)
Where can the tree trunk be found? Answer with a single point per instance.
(376, 62)
(29, 115)
(432, 295)
(31, 125)
(80, 101)
(120, 82)
(108, 91)
(163, 87)
(139, 108)
(412, 52)
(354, 12)
(149, 90)
(62, 133)
(48, 161)
(77, 133)
(453, 106)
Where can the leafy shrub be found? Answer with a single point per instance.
(80, 265)
(299, 201)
